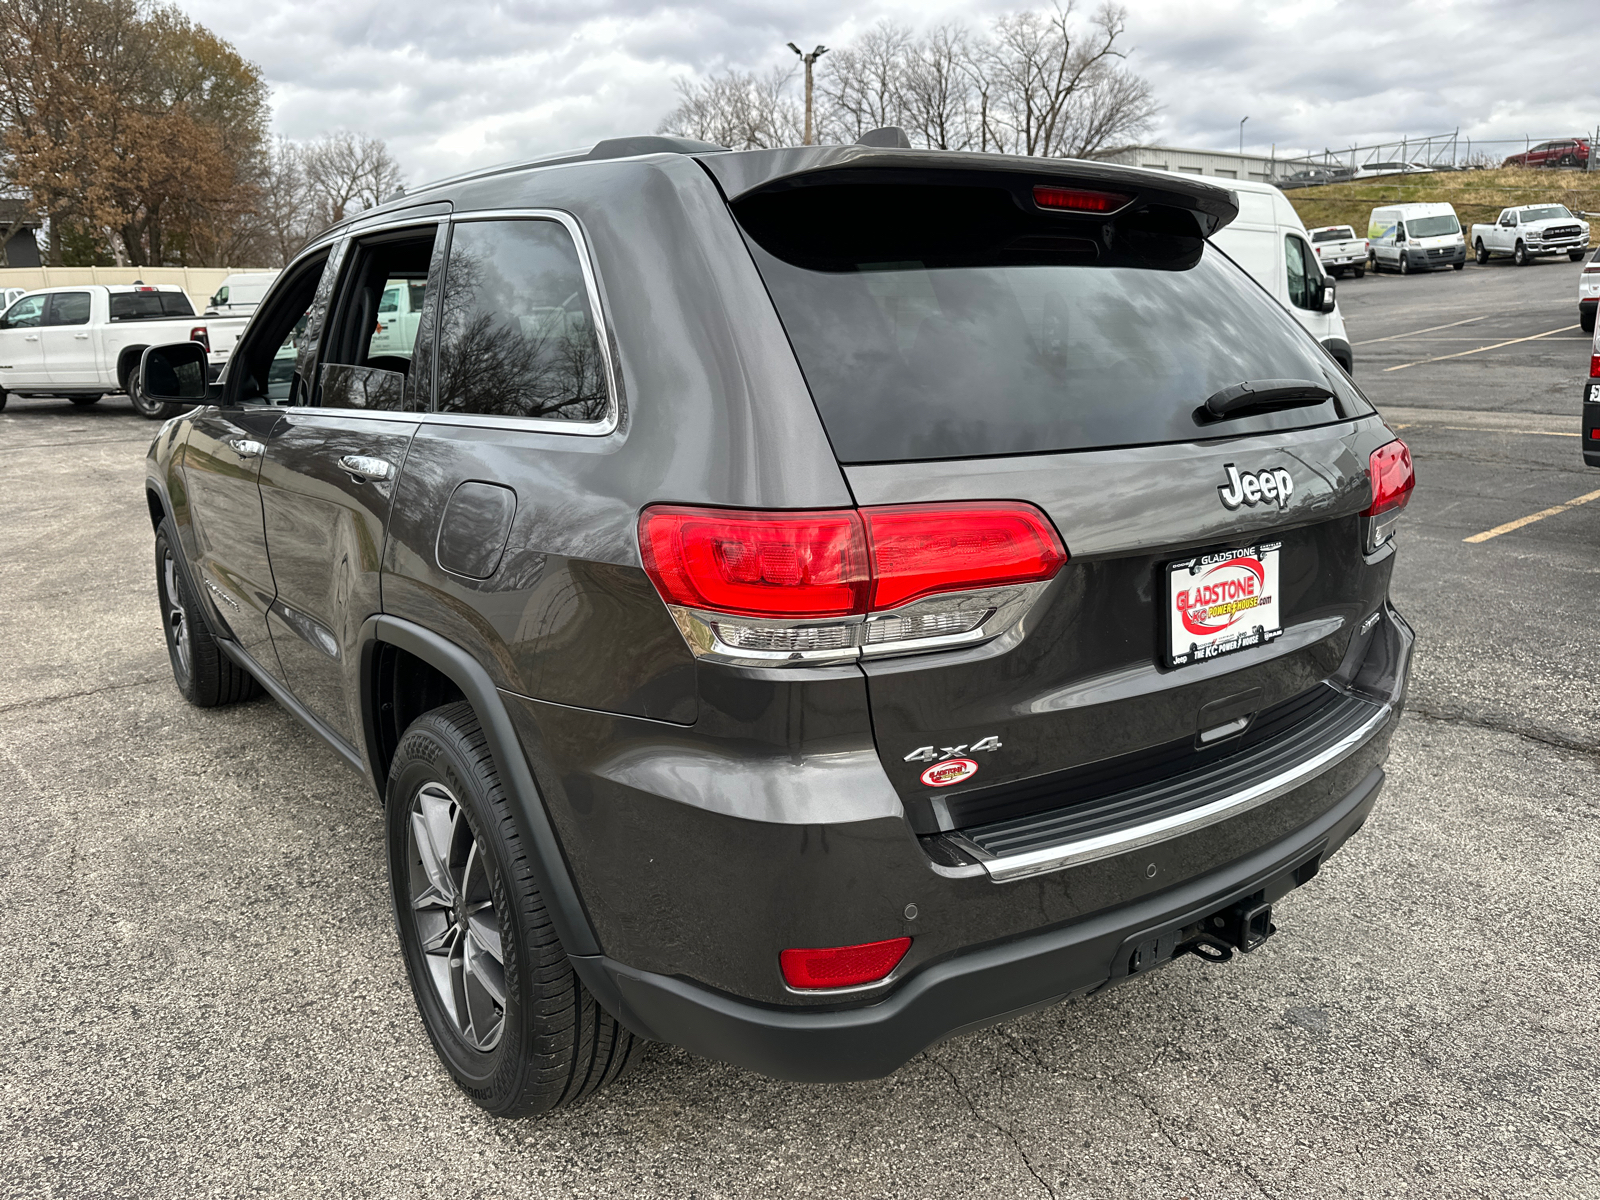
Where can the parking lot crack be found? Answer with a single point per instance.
(1011, 1137)
(1500, 725)
(41, 701)
(1171, 1139)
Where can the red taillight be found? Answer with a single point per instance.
(760, 564)
(919, 550)
(200, 334)
(1594, 366)
(842, 966)
(1078, 199)
(1392, 478)
(841, 562)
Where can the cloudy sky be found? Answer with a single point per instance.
(460, 83)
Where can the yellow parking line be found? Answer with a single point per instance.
(1529, 520)
(1533, 337)
(1395, 337)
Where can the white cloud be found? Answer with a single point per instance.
(453, 85)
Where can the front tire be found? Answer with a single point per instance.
(1520, 255)
(1405, 264)
(1358, 272)
(1460, 266)
(1575, 255)
(505, 1011)
(1480, 253)
(206, 677)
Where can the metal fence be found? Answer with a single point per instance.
(1450, 151)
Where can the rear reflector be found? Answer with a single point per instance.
(1078, 199)
(1393, 478)
(842, 966)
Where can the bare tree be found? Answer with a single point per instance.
(737, 109)
(347, 172)
(937, 93)
(864, 86)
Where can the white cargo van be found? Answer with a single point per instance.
(1416, 237)
(1270, 242)
(239, 294)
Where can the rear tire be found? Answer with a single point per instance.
(4, 396)
(144, 406)
(1358, 272)
(1520, 255)
(206, 677)
(1460, 266)
(507, 1015)
(1479, 252)
(1586, 320)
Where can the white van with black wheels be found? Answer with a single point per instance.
(240, 293)
(1416, 237)
(1270, 242)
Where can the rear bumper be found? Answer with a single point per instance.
(968, 991)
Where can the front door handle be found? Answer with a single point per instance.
(32, 337)
(81, 337)
(245, 448)
(363, 469)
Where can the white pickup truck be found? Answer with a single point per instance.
(1339, 249)
(82, 342)
(1530, 230)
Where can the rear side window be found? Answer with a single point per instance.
(138, 306)
(516, 333)
(68, 308)
(946, 347)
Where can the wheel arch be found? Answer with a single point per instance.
(429, 670)
(127, 363)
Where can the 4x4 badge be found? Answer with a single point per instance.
(1257, 488)
(930, 754)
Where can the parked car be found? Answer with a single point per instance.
(1590, 428)
(1338, 249)
(399, 310)
(10, 296)
(239, 293)
(752, 650)
(1589, 292)
(84, 341)
(1527, 231)
(1369, 170)
(1415, 237)
(1563, 152)
(1269, 241)
(1310, 176)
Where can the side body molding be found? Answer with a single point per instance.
(554, 879)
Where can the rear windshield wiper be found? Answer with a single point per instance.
(1264, 395)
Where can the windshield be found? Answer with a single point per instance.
(1421, 227)
(1547, 212)
(1338, 233)
(922, 357)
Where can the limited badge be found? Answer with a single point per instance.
(952, 770)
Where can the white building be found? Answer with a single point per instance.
(1223, 164)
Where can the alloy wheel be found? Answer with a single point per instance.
(177, 617)
(457, 925)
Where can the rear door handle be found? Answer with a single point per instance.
(363, 469)
(32, 337)
(82, 337)
(245, 448)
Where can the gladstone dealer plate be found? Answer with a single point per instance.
(1219, 603)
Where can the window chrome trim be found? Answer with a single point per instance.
(1071, 854)
(613, 418)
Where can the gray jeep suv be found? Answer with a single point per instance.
(797, 604)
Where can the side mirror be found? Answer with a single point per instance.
(176, 374)
(1328, 301)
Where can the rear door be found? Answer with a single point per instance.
(330, 472)
(71, 358)
(1069, 368)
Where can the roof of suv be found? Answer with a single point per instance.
(742, 171)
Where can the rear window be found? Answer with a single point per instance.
(944, 322)
(137, 306)
(1340, 233)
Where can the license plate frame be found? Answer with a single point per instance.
(1238, 609)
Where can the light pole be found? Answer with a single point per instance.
(810, 61)
(1242, 120)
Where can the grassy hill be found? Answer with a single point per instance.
(1478, 196)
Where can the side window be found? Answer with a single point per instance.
(27, 313)
(1304, 277)
(517, 337)
(372, 342)
(68, 308)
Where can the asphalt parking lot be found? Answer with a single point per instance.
(201, 993)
